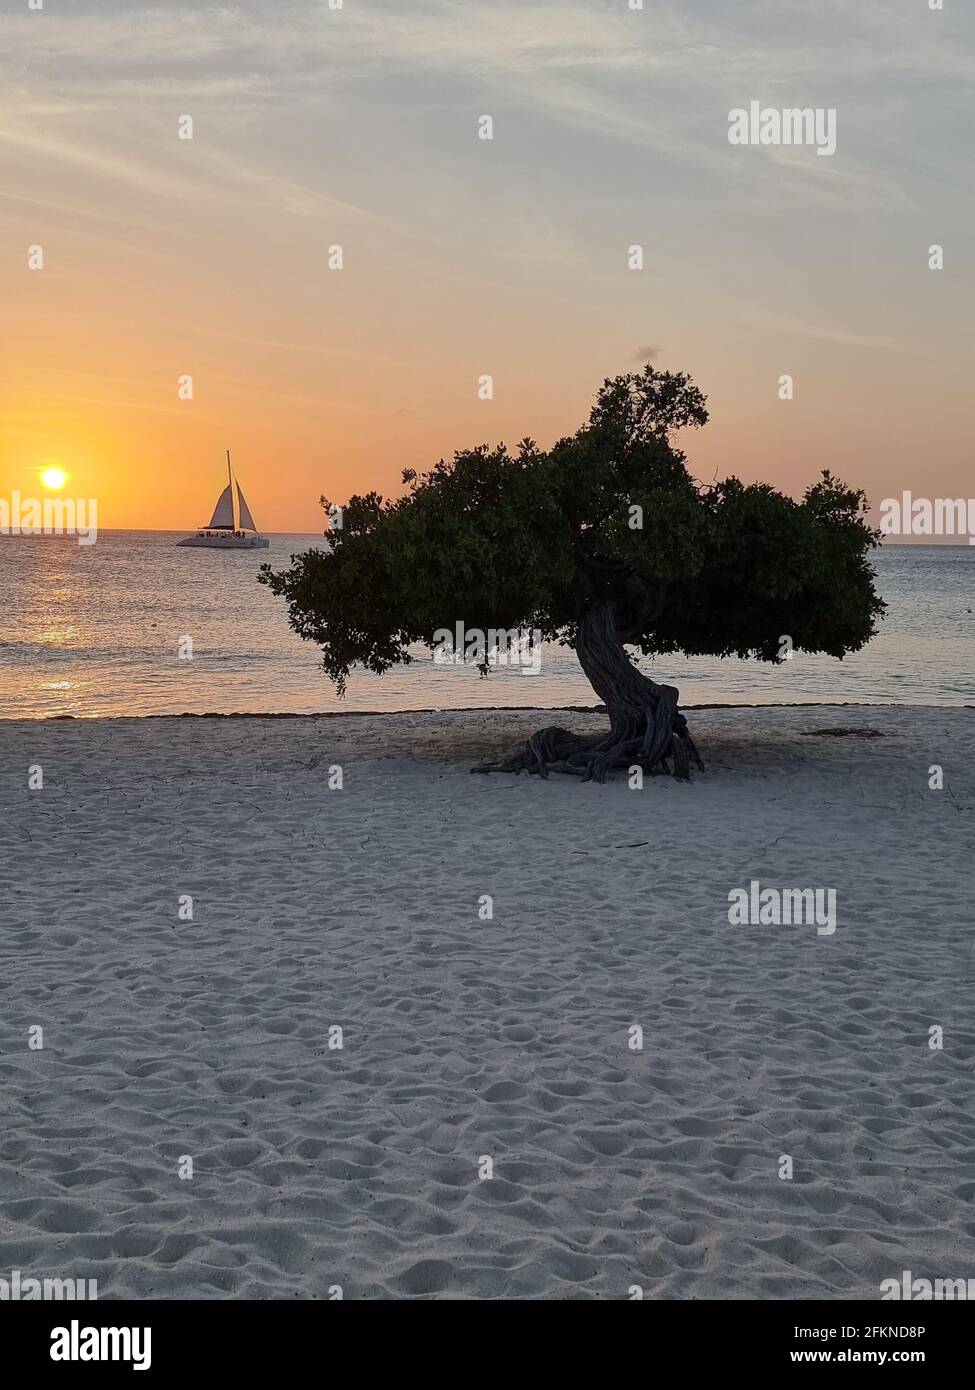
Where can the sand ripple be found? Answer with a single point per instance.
(316, 1167)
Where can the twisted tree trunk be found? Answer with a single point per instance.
(646, 729)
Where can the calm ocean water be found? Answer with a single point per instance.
(94, 630)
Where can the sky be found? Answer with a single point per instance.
(315, 126)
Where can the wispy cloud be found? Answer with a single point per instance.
(829, 333)
(660, 79)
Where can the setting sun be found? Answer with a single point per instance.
(54, 478)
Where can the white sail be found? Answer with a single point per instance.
(246, 520)
(231, 527)
(223, 512)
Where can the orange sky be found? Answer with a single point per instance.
(209, 257)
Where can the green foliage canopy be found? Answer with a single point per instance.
(514, 540)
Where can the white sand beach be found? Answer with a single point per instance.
(316, 1167)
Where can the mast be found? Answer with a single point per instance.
(233, 494)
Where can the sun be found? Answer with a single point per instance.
(54, 478)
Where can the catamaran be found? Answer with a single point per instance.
(231, 526)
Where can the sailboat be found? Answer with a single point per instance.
(231, 526)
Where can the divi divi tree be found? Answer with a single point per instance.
(606, 544)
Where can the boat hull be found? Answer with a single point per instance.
(226, 542)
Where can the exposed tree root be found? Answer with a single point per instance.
(647, 730)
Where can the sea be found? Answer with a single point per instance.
(95, 631)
